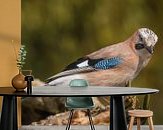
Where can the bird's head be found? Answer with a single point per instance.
(146, 40)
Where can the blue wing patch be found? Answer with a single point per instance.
(108, 63)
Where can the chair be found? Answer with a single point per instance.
(140, 114)
(73, 103)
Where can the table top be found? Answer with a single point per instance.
(65, 91)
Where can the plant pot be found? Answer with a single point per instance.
(18, 82)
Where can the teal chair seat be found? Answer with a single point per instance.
(79, 102)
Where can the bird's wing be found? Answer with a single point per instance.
(86, 64)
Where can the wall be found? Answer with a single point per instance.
(10, 29)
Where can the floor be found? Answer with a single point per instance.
(77, 127)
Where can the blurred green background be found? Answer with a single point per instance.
(57, 32)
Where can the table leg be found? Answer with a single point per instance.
(117, 113)
(9, 113)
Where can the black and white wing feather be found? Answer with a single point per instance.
(86, 64)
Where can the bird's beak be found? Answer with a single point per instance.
(150, 49)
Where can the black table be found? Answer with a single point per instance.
(117, 110)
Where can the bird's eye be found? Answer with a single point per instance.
(139, 46)
(140, 38)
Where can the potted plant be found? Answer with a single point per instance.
(18, 81)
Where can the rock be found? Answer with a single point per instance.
(37, 108)
(100, 116)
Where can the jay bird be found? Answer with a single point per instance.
(114, 65)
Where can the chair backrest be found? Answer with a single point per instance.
(78, 83)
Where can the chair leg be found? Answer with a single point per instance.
(131, 123)
(90, 120)
(138, 123)
(150, 122)
(70, 119)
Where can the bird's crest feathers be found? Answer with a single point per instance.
(150, 37)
